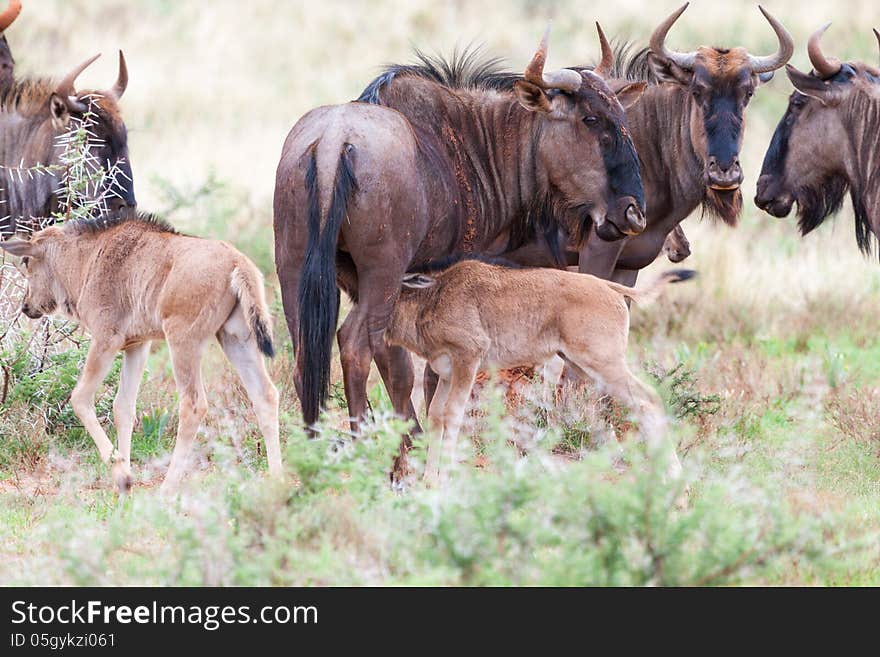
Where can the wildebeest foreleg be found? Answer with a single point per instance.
(98, 362)
(186, 358)
(134, 360)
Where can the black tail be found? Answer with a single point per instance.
(678, 275)
(318, 294)
(263, 336)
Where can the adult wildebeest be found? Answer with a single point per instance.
(474, 316)
(7, 61)
(364, 192)
(33, 113)
(688, 129)
(825, 144)
(131, 279)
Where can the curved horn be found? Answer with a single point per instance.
(781, 57)
(65, 87)
(11, 13)
(877, 34)
(658, 42)
(121, 79)
(564, 79)
(826, 67)
(603, 70)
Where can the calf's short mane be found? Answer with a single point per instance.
(144, 220)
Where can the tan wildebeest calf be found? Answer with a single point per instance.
(131, 280)
(475, 316)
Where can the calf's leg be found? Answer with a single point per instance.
(460, 385)
(436, 415)
(134, 360)
(186, 358)
(241, 350)
(98, 362)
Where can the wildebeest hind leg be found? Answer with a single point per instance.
(242, 351)
(355, 355)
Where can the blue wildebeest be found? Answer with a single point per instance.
(474, 315)
(130, 279)
(825, 144)
(364, 192)
(33, 113)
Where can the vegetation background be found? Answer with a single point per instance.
(770, 361)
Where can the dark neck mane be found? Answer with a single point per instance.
(144, 220)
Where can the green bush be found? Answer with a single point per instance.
(45, 384)
(519, 520)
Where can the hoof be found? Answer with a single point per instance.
(122, 478)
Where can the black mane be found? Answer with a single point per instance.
(468, 68)
(145, 220)
(630, 63)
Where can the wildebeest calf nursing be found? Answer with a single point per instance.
(476, 316)
(364, 192)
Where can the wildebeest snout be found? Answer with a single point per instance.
(624, 218)
(30, 312)
(770, 197)
(724, 175)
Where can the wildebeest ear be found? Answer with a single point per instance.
(532, 97)
(59, 111)
(668, 71)
(20, 248)
(764, 78)
(825, 92)
(629, 94)
(418, 281)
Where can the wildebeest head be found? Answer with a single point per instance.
(583, 144)
(720, 81)
(825, 142)
(111, 144)
(7, 61)
(44, 290)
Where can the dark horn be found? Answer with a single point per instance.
(877, 34)
(781, 57)
(121, 80)
(606, 66)
(65, 87)
(658, 42)
(11, 13)
(826, 67)
(564, 79)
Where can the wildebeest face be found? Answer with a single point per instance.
(720, 82)
(808, 160)
(110, 135)
(583, 144)
(43, 286)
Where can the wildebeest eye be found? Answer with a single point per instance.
(590, 120)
